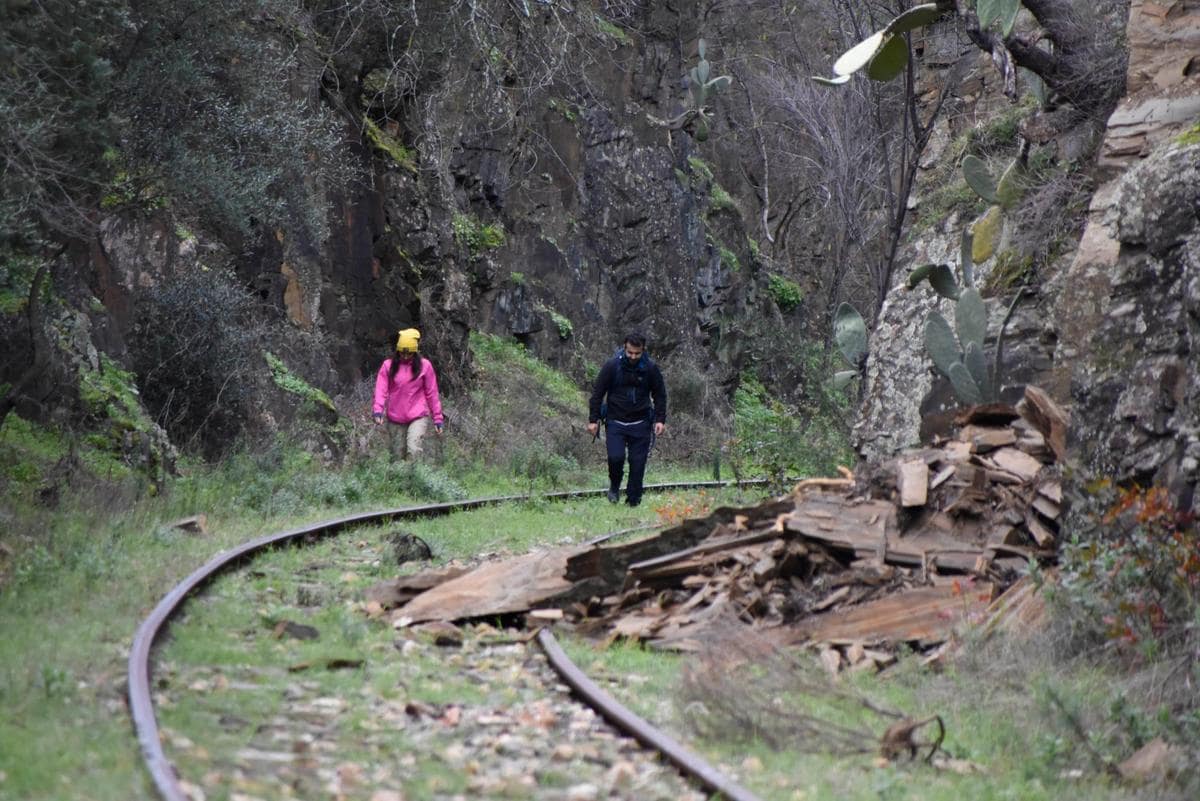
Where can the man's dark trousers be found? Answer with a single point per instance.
(635, 438)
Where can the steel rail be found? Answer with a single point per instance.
(141, 704)
(621, 717)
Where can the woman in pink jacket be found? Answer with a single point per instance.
(406, 393)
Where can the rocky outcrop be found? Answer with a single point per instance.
(1127, 315)
(1136, 398)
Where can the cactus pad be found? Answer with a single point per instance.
(939, 341)
(970, 318)
(985, 234)
(850, 333)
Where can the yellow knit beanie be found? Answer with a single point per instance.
(408, 340)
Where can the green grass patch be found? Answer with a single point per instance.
(498, 355)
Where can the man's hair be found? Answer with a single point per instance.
(636, 338)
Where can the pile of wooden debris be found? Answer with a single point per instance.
(905, 552)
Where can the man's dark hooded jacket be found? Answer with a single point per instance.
(630, 389)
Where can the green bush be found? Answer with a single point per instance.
(767, 434)
(58, 75)
(499, 355)
(540, 469)
(785, 292)
(780, 441)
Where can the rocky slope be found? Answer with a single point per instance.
(533, 170)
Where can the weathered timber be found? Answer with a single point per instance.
(1046, 507)
(1017, 462)
(1040, 531)
(609, 565)
(495, 588)
(1047, 417)
(649, 566)
(924, 615)
(983, 440)
(912, 476)
(1052, 490)
(394, 592)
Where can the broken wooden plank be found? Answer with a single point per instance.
(1051, 490)
(196, 524)
(1047, 417)
(942, 476)
(831, 599)
(635, 626)
(912, 476)
(400, 590)
(957, 451)
(925, 615)
(496, 588)
(1042, 534)
(1019, 609)
(732, 543)
(1015, 461)
(606, 566)
(831, 520)
(1046, 507)
(1002, 534)
(984, 440)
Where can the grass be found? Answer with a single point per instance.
(68, 619)
(996, 719)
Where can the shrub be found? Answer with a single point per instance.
(1133, 580)
(195, 345)
(767, 434)
(780, 441)
(216, 121)
(539, 468)
(421, 481)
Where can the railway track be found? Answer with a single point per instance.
(546, 733)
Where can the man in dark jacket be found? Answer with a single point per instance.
(636, 413)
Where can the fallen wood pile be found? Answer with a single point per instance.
(904, 553)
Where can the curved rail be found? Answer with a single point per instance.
(141, 706)
(643, 732)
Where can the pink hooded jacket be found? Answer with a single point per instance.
(405, 398)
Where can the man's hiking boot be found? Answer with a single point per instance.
(632, 502)
(613, 496)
